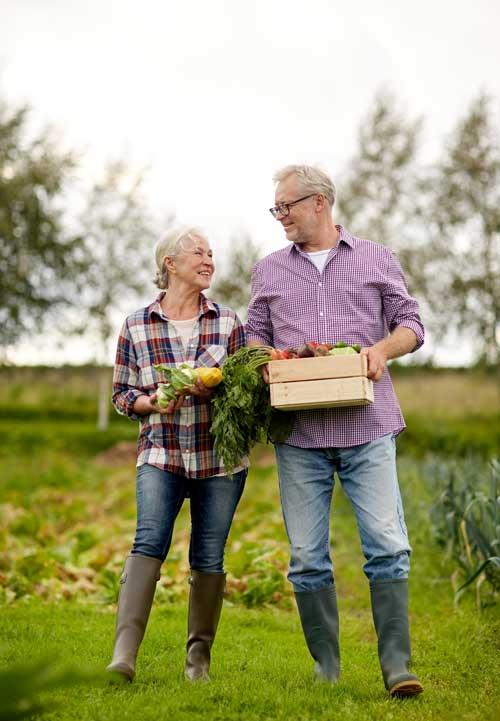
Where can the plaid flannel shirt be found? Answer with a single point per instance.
(179, 443)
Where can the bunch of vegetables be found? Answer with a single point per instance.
(242, 414)
(181, 378)
(316, 350)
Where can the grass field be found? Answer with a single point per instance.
(67, 519)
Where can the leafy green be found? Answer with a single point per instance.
(179, 378)
(241, 411)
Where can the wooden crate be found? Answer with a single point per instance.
(325, 382)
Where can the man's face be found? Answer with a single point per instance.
(301, 223)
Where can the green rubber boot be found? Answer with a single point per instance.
(320, 623)
(138, 585)
(390, 615)
(205, 605)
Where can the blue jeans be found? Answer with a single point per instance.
(213, 502)
(368, 476)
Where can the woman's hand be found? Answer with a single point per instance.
(145, 405)
(200, 390)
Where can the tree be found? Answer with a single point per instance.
(382, 189)
(464, 265)
(233, 285)
(37, 257)
(118, 238)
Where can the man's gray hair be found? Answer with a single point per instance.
(171, 243)
(311, 180)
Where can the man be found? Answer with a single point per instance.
(327, 286)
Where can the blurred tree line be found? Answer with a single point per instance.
(73, 270)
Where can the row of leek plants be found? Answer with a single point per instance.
(466, 523)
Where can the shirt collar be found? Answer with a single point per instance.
(207, 306)
(344, 236)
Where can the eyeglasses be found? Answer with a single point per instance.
(284, 208)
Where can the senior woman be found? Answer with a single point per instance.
(176, 456)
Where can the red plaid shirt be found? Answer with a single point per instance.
(180, 443)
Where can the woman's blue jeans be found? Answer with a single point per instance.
(213, 502)
(368, 476)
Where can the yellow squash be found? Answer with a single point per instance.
(210, 377)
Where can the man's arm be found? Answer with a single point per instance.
(401, 341)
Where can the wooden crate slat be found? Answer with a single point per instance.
(301, 369)
(329, 393)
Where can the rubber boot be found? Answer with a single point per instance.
(138, 585)
(205, 604)
(390, 615)
(320, 623)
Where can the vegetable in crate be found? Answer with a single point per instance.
(341, 348)
(183, 377)
(241, 411)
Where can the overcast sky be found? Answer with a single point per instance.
(214, 95)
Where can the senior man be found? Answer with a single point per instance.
(325, 286)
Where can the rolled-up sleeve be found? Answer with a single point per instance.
(126, 375)
(258, 325)
(400, 308)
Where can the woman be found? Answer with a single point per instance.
(176, 457)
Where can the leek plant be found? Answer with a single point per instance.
(466, 521)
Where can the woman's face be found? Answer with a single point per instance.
(194, 265)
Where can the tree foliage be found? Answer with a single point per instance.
(118, 237)
(443, 221)
(38, 257)
(381, 195)
(463, 273)
(232, 286)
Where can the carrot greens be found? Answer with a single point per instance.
(241, 411)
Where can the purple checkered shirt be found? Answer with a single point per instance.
(359, 297)
(181, 443)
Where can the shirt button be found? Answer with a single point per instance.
(187, 450)
(320, 284)
(321, 313)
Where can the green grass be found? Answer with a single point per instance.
(261, 668)
(66, 523)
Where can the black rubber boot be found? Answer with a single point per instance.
(390, 615)
(205, 604)
(320, 623)
(138, 585)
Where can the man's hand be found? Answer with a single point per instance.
(401, 341)
(376, 359)
(265, 373)
(263, 369)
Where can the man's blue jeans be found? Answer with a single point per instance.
(213, 502)
(368, 476)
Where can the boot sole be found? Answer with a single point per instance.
(121, 672)
(406, 689)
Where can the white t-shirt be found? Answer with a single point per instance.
(319, 258)
(184, 329)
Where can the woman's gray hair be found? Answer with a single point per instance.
(172, 243)
(311, 180)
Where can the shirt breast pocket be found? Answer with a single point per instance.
(211, 356)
